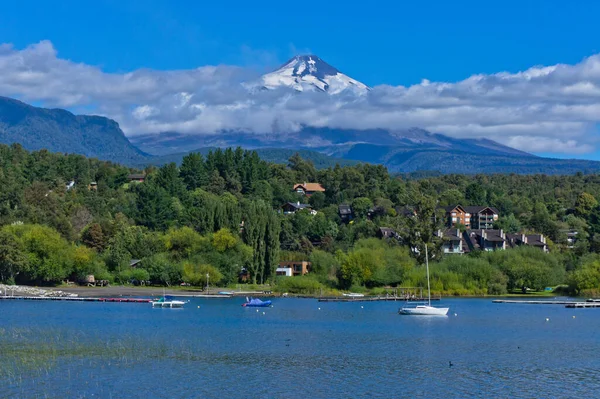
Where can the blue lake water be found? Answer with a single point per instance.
(295, 350)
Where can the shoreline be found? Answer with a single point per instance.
(133, 291)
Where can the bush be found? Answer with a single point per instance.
(298, 285)
(132, 276)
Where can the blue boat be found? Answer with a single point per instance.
(257, 303)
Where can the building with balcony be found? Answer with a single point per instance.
(472, 217)
(293, 268)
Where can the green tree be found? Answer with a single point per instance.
(361, 206)
(193, 171)
(585, 204)
(93, 237)
(12, 259)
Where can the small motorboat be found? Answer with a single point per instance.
(353, 295)
(165, 303)
(256, 303)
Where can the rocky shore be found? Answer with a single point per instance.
(24, 290)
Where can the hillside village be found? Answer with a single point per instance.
(243, 220)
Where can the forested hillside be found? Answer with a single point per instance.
(220, 214)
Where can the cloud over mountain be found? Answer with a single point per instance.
(543, 109)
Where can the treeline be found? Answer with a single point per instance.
(219, 214)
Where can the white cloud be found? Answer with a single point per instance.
(543, 109)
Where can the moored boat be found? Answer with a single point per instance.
(256, 303)
(424, 310)
(164, 303)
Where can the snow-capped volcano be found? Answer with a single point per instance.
(309, 72)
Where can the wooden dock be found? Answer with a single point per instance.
(566, 304)
(533, 302)
(580, 305)
(373, 299)
(75, 299)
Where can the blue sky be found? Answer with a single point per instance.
(393, 42)
(396, 43)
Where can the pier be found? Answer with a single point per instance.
(567, 304)
(75, 299)
(373, 299)
(533, 302)
(579, 305)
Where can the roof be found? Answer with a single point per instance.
(406, 210)
(134, 262)
(297, 205)
(310, 186)
(345, 209)
(536, 240)
(453, 207)
(452, 234)
(136, 176)
(490, 235)
(477, 209)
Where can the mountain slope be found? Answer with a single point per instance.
(275, 155)
(401, 151)
(309, 72)
(60, 131)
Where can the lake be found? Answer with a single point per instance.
(214, 348)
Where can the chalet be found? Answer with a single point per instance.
(136, 177)
(293, 268)
(386, 232)
(456, 214)
(308, 189)
(93, 186)
(572, 236)
(293, 207)
(482, 217)
(406, 211)
(345, 212)
(534, 240)
(376, 211)
(244, 276)
(453, 242)
(486, 240)
(472, 217)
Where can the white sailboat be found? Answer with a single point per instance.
(424, 310)
(164, 303)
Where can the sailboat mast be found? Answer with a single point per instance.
(427, 267)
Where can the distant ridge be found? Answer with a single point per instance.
(402, 151)
(58, 130)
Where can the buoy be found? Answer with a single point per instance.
(319, 308)
(256, 310)
(547, 319)
(573, 316)
(455, 314)
(263, 312)
(198, 307)
(362, 307)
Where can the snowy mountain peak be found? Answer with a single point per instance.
(311, 73)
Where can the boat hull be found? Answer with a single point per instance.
(265, 304)
(424, 311)
(168, 304)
